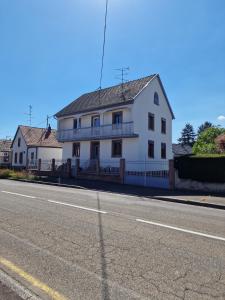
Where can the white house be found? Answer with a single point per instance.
(131, 120)
(32, 143)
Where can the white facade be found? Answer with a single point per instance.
(134, 131)
(21, 153)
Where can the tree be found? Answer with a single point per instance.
(187, 135)
(204, 126)
(205, 143)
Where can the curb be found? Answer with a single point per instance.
(161, 198)
(17, 287)
(190, 202)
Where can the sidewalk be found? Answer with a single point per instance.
(179, 196)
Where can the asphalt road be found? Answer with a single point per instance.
(65, 243)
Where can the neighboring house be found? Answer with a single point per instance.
(5, 153)
(131, 121)
(220, 141)
(32, 143)
(181, 150)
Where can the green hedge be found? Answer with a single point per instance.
(207, 169)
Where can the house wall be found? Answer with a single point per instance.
(129, 150)
(45, 153)
(17, 149)
(144, 104)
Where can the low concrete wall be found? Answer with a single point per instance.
(189, 184)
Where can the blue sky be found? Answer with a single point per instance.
(50, 54)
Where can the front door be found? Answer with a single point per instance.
(95, 150)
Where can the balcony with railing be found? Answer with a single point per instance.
(120, 130)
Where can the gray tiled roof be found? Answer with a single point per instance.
(108, 97)
(179, 149)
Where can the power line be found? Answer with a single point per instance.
(103, 46)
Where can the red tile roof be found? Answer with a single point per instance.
(39, 137)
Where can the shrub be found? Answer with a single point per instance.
(6, 173)
(206, 141)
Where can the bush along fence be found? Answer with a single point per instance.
(158, 174)
(200, 173)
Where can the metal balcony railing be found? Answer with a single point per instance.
(102, 132)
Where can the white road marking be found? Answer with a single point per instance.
(80, 207)
(138, 220)
(21, 195)
(183, 230)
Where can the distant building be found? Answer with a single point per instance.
(32, 143)
(5, 153)
(181, 150)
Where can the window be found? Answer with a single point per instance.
(32, 156)
(151, 149)
(76, 149)
(19, 142)
(15, 158)
(156, 98)
(163, 125)
(79, 122)
(75, 124)
(21, 158)
(95, 121)
(163, 150)
(117, 117)
(151, 121)
(117, 148)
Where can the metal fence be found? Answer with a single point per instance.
(108, 167)
(32, 164)
(147, 173)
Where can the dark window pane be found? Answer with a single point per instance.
(117, 117)
(163, 150)
(163, 125)
(21, 158)
(156, 98)
(151, 121)
(151, 149)
(95, 121)
(76, 149)
(117, 148)
(75, 124)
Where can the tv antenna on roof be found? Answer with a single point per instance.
(123, 73)
(29, 114)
